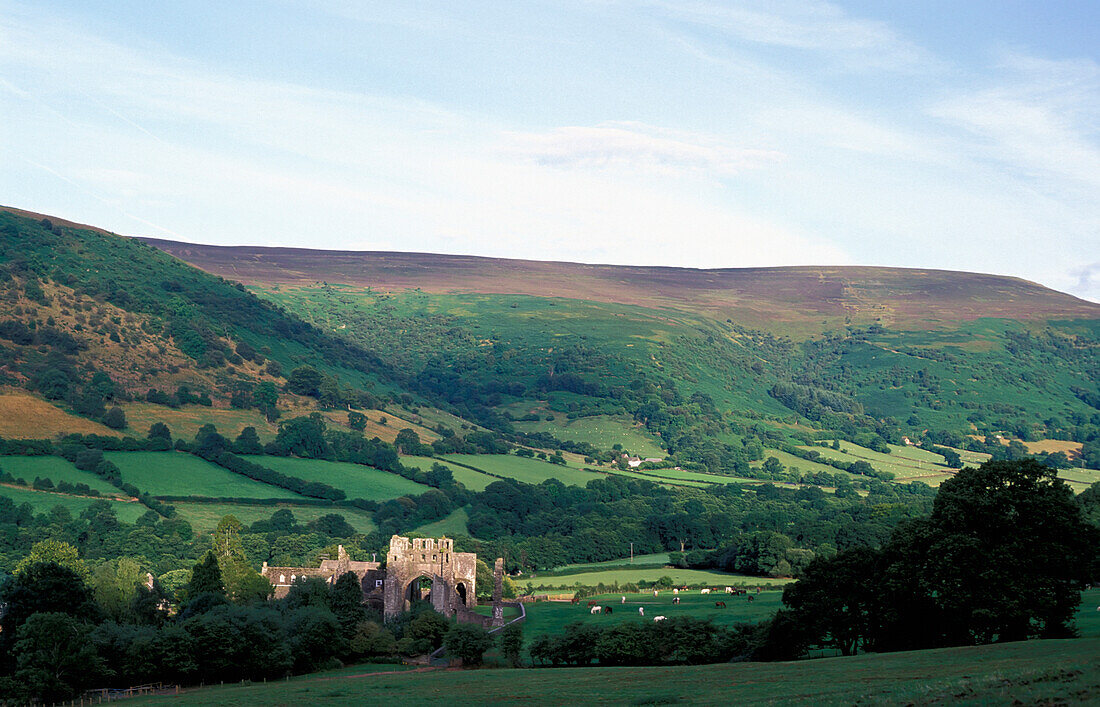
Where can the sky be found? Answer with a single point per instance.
(930, 133)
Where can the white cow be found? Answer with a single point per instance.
(705, 591)
(641, 611)
(729, 590)
(623, 601)
(658, 618)
(596, 610)
(654, 592)
(675, 591)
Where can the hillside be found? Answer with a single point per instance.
(781, 298)
(698, 363)
(91, 319)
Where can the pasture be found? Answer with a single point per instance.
(473, 480)
(23, 416)
(529, 471)
(186, 420)
(179, 474)
(204, 517)
(44, 501)
(454, 524)
(653, 559)
(904, 467)
(623, 575)
(356, 480)
(1033, 672)
(55, 469)
(601, 431)
(551, 617)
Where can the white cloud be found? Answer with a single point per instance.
(810, 25)
(635, 146)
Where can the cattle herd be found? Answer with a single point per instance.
(596, 609)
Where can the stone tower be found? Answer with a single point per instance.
(453, 575)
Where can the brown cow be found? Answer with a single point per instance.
(719, 605)
(607, 610)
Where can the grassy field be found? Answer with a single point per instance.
(179, 474)
(55, 469)
(356, 480)
(185, 421)
(551, 617)
(23, 416)
(601, 431)
(626, 574)
(204, 517)
(1034, 672)
(655, 558)
(804, 465)
(473, 480)
(531, 471)
(904, 468)
(454, 524)
(43, 501)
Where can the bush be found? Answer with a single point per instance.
(468, 642)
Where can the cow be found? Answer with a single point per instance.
(641, 611)
(607, 610)
(704, 591)
(751, 597)
(675, 600)
(575, 601)
(654, 592)
(729, 590)
(624, 600)
(719, 605)
(591, 603)
(595, 609)
(658, 618)
(675, 591)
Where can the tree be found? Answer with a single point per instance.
(304, 437)
(1002, 557)
(304, 380)
(206, 577)
(54, 656)
(42, 587)
(248, 442)
(115, 585)
(834, 601)
(511, 643)
(772, 465)
(160, 436)
(347, 602)
(371, 640)
(55, 551)
(115, 418)
(468, 642)
(407, 441)
(357, 420)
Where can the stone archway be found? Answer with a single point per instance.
(410, 559)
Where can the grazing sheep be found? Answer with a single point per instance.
(595, 610)
(641, 611)
(658, 618)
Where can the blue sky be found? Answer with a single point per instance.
(958, 135)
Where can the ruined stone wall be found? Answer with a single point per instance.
(453, 574)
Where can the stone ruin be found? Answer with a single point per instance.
(452, 575)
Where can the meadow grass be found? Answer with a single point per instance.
(530, 471)
(654, 558)
(473, 480)
(55, 469)
(601, 431)
(186, 420)
(1033, 672)
(179, 474)
(43, 501)
(23, 416)
(551, 617)
(204, 517)
(356, 480)
(452, 525)
(623, 575)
